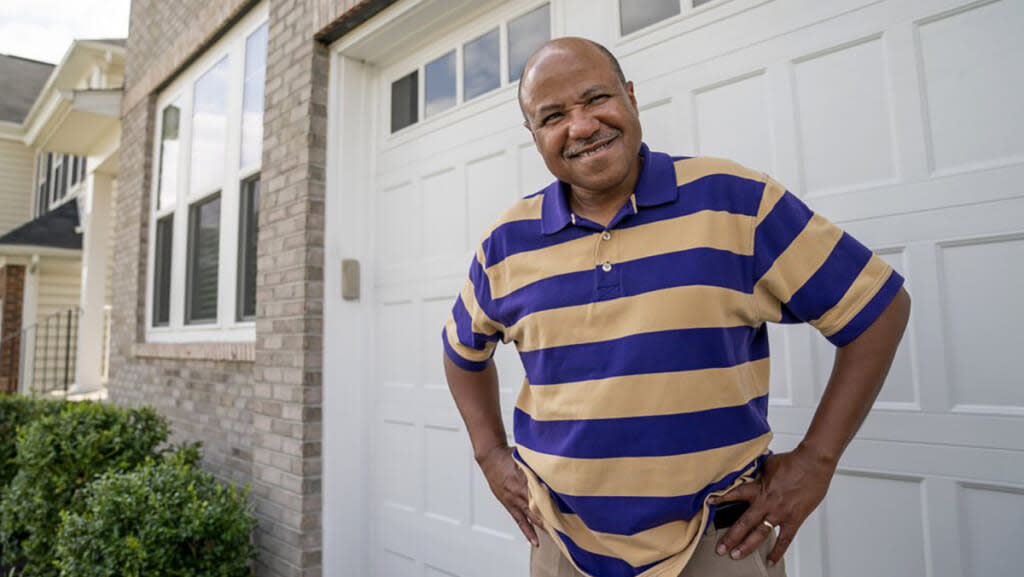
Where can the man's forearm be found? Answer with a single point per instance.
(858, 373)
(477, 397)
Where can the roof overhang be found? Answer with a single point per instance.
(81, 118)
(57, 229)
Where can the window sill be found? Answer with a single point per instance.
(237, 352)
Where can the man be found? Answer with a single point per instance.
(636, 288)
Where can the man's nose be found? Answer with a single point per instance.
(582, 124)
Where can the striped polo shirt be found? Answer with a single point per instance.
(646, 349)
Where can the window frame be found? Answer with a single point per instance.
(686, 10)
(226, 327)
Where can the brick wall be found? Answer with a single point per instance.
(12, 287)
(258, 416)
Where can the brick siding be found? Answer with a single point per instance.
(12, 289)
(256, 409)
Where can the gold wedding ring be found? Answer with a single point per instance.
(768, 524)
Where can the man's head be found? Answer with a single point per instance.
(582, 114)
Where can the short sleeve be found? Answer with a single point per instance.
(807, 269)
(470, 334)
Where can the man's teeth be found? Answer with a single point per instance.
(596, 150)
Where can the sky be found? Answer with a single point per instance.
(43, 29)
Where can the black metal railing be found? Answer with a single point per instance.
(41, 358)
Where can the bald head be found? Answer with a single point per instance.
(562, 46)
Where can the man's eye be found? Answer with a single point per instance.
(551, 118)
(599, 99)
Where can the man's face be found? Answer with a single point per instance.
(584, 121)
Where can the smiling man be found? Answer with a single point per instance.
(637, 288)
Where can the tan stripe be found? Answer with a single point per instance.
(642, 476)
(691, 169)
(647, 395)
(866, 286)
(674, 308)
(773, 193)
(712, 229)
(522, 209)
(798, 263)
(637, 549)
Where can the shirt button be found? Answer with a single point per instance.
(606, 236)
(606, 267)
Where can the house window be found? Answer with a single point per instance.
(162, 271)
(203, 260)
(207, 155)
(247, 236)
(639, 14)
(209, 129)
(481, 61)
(252, 98)
(167, 184)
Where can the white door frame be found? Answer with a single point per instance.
(346, 323)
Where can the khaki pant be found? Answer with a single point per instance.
(548, 561)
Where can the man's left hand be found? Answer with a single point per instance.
(791, 486)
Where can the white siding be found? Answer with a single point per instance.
(16, 166)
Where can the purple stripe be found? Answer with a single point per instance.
(655, 352)
(473, 366)
(785, 222)
(718, 192)
(647, 436)
(700, 266)
(829, 283)
(869, 313)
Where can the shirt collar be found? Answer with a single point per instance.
(655, 185)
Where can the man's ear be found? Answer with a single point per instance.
(631, 95)
(526, 125)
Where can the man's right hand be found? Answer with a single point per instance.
(508, 483)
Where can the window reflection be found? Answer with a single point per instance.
(209, 129)
(525, 35)
(252, 96)
(167, 186)
(440, 84)
(637, 14)
(481, 65)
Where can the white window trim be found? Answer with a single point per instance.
(226, 328)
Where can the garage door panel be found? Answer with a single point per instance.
(734, 121)
(397, 475)
(445, 482)
(491, 188)
(983, 319)
(533, 174)
(844, 113)
(973, 71)
(660, 124)
(443, 220)
(988, 549)
(874, 525)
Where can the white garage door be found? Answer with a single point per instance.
(899, 119)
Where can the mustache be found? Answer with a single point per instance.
(579, 147)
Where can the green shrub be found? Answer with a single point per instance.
(18, 411)
(166, 518)
(58, 455)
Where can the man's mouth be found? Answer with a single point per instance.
(593, 149)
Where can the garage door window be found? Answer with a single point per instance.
(482, 61)
(440, 84)
(470, 69)
(636, 15)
